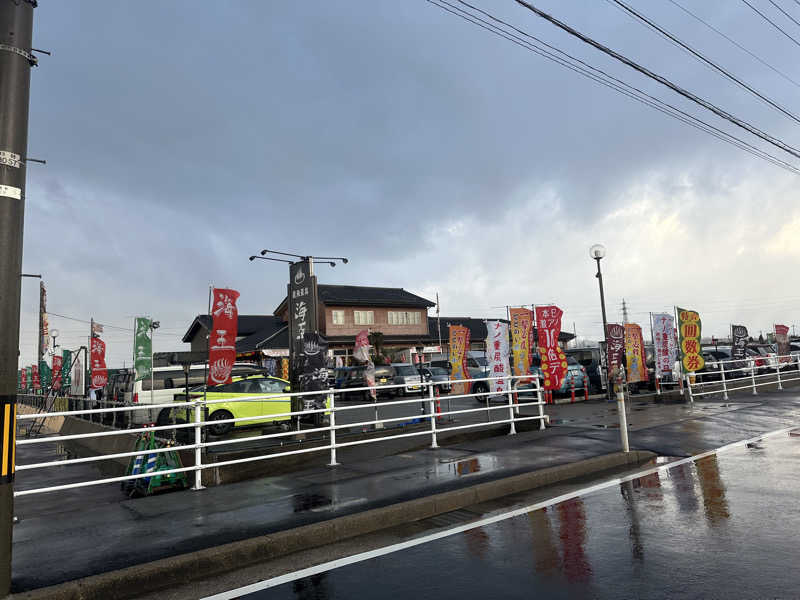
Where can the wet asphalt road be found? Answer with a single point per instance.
(721, 527)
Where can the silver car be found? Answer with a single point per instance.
(407, 375)
(439, 376)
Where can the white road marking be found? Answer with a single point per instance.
(363, 556)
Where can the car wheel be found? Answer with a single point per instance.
(480, 388)
(220, 428)
(163, 417)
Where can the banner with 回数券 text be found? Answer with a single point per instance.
(689, 330)
(222, 337)
(459, 343)
(635, 361)
(142, 347)
(497, 352)
(97, 360)
(782, 343)
(57, 367)
(520, 339)
(554, 361)
(739, 337)
(664, 343)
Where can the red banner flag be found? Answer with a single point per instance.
(23, 381)
(554, 361)
(37, 384)
(57, 365)
(782, 342)
(97, 356)
(222, 337)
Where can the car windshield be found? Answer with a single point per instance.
(572, 361)
(383, 371)
(480, 361)
(406, 370)
(437, 371)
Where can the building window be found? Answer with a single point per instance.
(364, 317)
(337, 317)
(403, 318)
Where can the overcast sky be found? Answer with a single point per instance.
(182, 137)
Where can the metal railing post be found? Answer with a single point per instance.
(375, 402)
(513, 429)
(689, 387)
(539, 401)
(432, 411)
(198, 443)
(778, 371)
(332, 428)
(724, 384)
(753, 376)
(623, 419)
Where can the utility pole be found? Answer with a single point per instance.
(624, 311)
(16, 60)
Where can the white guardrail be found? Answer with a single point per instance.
(199, 408)
(742, 374)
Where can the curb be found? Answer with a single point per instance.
(151, 577)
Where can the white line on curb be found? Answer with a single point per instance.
(362, 556)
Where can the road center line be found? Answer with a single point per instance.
(363, 556)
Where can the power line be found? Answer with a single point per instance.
(631, 91)
(664, 81)
(735, 43)
(771, 22)
(724, 72)
(786, 14)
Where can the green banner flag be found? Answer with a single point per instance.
(45, 374)
(66, 371)
(19, 380)
(28, 378)
(143, 348)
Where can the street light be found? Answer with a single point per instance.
(598, 252)
(54, 334)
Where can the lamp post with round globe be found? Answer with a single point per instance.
(597, 252)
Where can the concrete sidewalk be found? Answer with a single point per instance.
(105, 534)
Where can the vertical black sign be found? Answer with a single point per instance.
(739, 341)
(302, 300)
(314, 375)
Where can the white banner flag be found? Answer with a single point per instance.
(664, 342)
(497, 354)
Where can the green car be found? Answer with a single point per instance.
(265, 395)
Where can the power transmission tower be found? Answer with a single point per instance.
(624, 311)
(16, 60)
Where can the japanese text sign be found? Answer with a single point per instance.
(520, 339)
(615, 346)
(57, 365)
(635, 362)
(554, 362)
(664, 343)
(689, 330)
(459, 343)
(782, 343)
(222, 337)
(497, 354)
(37, 384)
(739, 337)
(97, 360)
(142, 347)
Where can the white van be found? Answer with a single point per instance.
(167, 383)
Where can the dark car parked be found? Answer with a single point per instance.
(589, 359)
